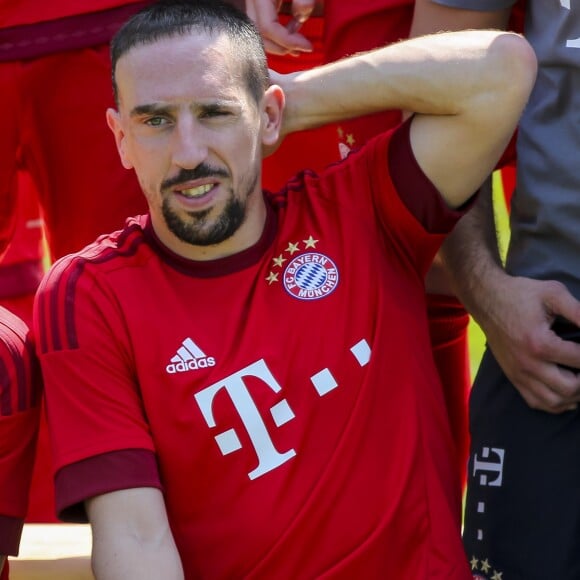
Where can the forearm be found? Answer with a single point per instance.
(471, 258)
(516, 315)
(132, 558)
(2, 560)
(444, 74)
(132, 539)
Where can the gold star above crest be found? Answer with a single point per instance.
(474, 561)
(485, 566)
(272, 277)
(310, 242)
(497, 575)
(292, 248)
(279, 261)
(350, 140)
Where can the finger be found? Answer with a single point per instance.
(277, 40)
(550, 388)
(302, 9)
(560, 302)
(274, 48)
(541, 397)
(283, 38)
(564, 351)
(293, 25)
(564, 383)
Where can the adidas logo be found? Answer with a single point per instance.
(189, 357)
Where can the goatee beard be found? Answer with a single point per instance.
(197, 232)
(198, 229)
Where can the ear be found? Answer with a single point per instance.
(274, 102)
(114, 122)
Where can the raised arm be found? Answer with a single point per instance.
(131, 537)
(453, 81)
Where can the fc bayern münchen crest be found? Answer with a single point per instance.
(310, 276)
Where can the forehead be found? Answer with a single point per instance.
(194, 66)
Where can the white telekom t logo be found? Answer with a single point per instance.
(269, 457)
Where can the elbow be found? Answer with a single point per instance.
(514, 66)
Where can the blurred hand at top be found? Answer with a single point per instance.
(279, 38)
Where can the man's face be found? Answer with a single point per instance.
(190, 129)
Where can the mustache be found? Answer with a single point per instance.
(201, 171)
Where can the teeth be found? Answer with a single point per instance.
(196, 191)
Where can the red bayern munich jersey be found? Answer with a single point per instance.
(19, 416)
(287, 393)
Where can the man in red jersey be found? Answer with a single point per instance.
(55, 75)
(19, 417)
(240, 383)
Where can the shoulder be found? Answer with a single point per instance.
(12, 329)
(85, 284)
(108, 252)
(19, 373)
(16, 345)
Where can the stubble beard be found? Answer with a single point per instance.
(199, 230)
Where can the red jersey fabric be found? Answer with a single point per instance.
(287, 393)
(17, 13)
(313, 149)
(21, 267)
(62, 162)
(19, 416)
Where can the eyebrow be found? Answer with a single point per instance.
(158, 109)
(153, 109)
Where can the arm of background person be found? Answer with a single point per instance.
(278, 38)
(453, 82)
(131, 536)
(2, 560)
(515, 313)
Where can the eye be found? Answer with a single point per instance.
(156, 121)
(213, 113)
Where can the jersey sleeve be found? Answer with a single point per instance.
(100, 437)
(20, 391)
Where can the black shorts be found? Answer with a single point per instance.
(522, 519)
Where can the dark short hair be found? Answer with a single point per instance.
(170, 18)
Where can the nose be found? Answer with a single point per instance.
(189, 147)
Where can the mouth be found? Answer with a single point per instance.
(196, 192)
